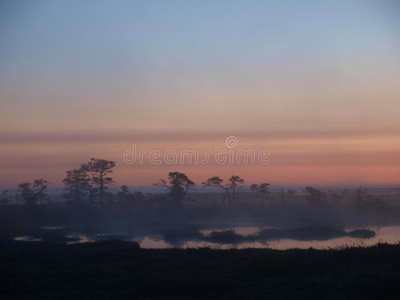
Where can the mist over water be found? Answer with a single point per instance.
(282, 220)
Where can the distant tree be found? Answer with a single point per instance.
(129, 201)
(218, 182)
(124, 194)
(178, 186)
(76, 184)
(124, 189)
(263, 189)
(235, 182)
(5, 198)
(360, 195)
(99, 170)
(39, 188)
(27, 194)
(254, 187)
(314, 196)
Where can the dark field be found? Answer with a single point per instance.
(121, 270)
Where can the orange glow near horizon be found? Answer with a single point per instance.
(307, 161)
(315, 83)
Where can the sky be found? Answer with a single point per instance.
(314, 83)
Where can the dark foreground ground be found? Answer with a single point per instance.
(120, 270)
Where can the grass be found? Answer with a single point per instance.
(121, 270)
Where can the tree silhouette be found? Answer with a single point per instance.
(27, 194)
(76, 184)
(234, 183)
(124, 194)
(178, 185)
(39, 188)
(263, 189)
(5, 197)
(314, 196)
(99, 169)
(254, 187)
(360, 195)
(217, 182)
(124, 189)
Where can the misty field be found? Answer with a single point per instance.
(42, 258)
(221, 242)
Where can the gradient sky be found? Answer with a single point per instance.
(317, 83)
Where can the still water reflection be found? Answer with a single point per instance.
(246, 233)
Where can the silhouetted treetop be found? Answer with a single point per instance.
(27, 194)
(214, 181)
(314, 196)
(178, 185)
(40, 188)
(76, 183)
(99, 169)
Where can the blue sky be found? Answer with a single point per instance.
(134, 37)
(107, 70)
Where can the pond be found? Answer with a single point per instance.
(27, 238)
(246, 240)
(228, 237)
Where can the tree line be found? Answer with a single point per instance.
(88, 185)
(91, 179)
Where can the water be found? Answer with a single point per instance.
(27, 238)
(382, 234)
(247, 234)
